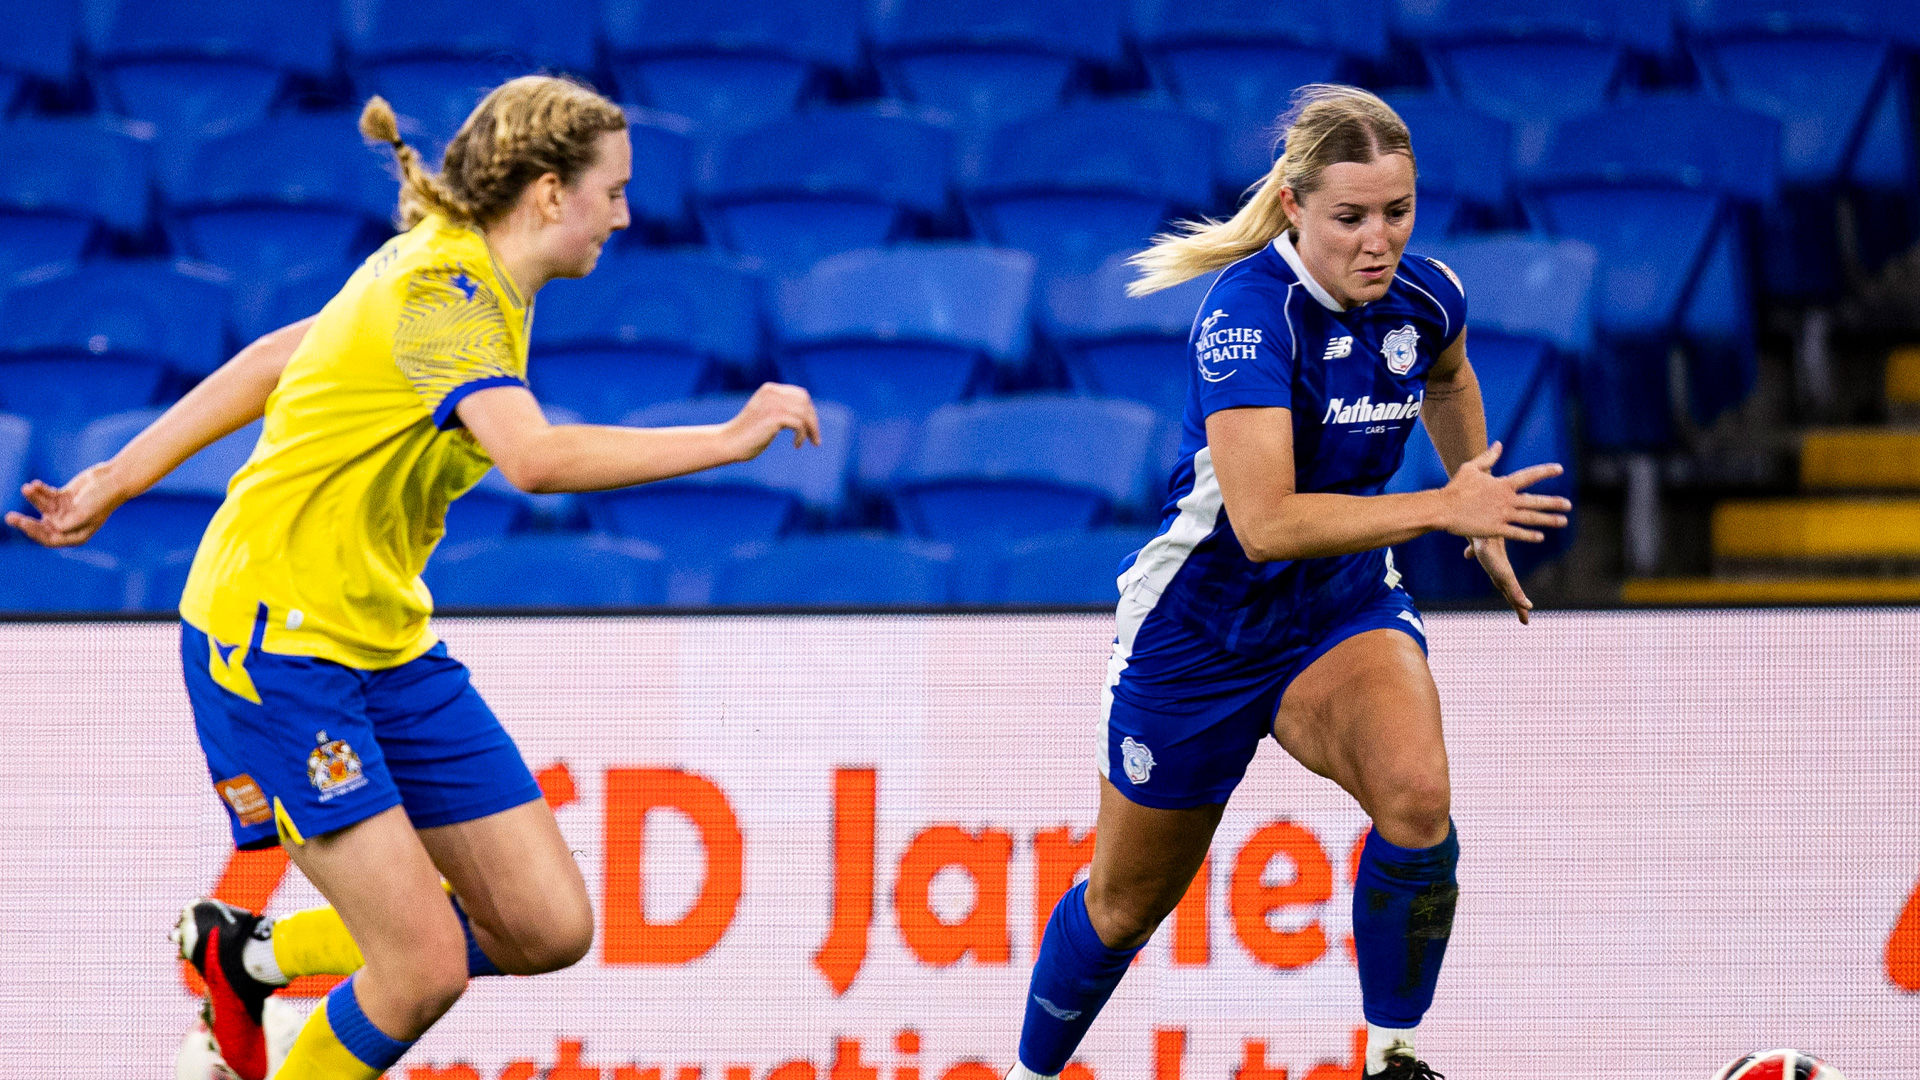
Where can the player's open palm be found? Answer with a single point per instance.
(1482, 505)
(68, 515)
(774, 408)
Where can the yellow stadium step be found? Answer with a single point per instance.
(1817, 529)
(1885, 459)
(1712, 592)
(1903, 377)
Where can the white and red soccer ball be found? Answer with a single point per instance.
(1778, 1065)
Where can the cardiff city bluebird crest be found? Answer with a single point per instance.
(1136, 759)
(1401, 348)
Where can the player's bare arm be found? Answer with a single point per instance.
(536, 456)
(1253, 460)
(224, 402)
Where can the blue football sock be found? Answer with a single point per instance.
(477, 961)
(1402, 916)
(1073, 977)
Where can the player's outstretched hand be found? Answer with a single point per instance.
(1482, 505)
(1492, 553)
(773, 408)
(68, 515)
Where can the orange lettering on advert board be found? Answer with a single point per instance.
(629, 937)
(1252, 900)
(1903, 947)
(1058, 858)
(983, 931)
(855, 801)
(1191, 935)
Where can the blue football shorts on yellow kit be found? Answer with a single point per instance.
(1184, 716)
(328, 745)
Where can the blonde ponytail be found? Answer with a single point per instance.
(1325, 124)
(523, 129)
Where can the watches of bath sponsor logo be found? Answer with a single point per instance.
(1401, 347)
(1223, 348)
(334, 768)
(1136, 759)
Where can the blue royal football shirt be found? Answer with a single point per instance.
(1269, 335)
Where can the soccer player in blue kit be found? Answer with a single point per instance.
(1269, 602)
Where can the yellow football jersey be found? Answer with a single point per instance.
(333, 516)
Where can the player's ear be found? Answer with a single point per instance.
(549, 196)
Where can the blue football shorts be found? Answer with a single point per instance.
(327, 745)
(1183, 716)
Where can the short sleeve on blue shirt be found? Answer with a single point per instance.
(1452, 297)
(1243, 347)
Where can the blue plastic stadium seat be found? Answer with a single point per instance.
(1053, 569)
(35, 579)
(162, 577)
(895, 334)
(1008, 469)
(1524, 285)
(38, 45)
(660, 194)
(64, 181)
(1075, 185)
(274, 200)
(547, 571)
(795, 190)
(989, 63)
(491, 509)
(200, 69)
(1662, 188)
(16, 439)
(261, 305)
(728, 66)
(1835, 75)
(103, 339)
(1236, 62)
(174, 513)
(435, 59)
(841, 570)
(641, 329)
(1462, 155)
(1123, 346)
(702, 516)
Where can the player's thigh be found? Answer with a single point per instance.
(379, 877)
(1366, 715)
(1144, 858)
(520, 885)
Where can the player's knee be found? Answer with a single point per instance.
(427, 983)
(554, 938)
(1123, 921)
(1416, 813)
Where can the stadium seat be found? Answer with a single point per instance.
(1835, 75)
(262, 305)
(547, 571)
(1009, 469)
(491, 509)
(1462, 157)
(35, 579)
(38, 45)
(298, 192)
(104, 339)
(728, 66)
(1236, 63)
(435, 59)
(65, 181)
(1117, 345)
(16, 440)
(1078, 184)
(702, 516)
(1524, 286)
(1662, 188)
(794, 190)
(990, 63)
(1534, 64)
(641, 329)
(1070, 568)
(844, 570)
(162, 578)
(661, 190)
(894, 334)
(208, 67)
(173, 514)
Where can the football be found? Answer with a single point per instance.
(1778, 1065)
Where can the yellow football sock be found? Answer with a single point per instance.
(338, 1043)
(314, 942)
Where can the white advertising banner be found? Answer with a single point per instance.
(822, 847)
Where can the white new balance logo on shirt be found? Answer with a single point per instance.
(1339, 347)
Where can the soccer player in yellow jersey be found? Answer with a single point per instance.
(333, 721)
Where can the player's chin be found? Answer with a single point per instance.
(1367, 288)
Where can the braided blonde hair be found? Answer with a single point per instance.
(523, 129)
(1325, 124)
